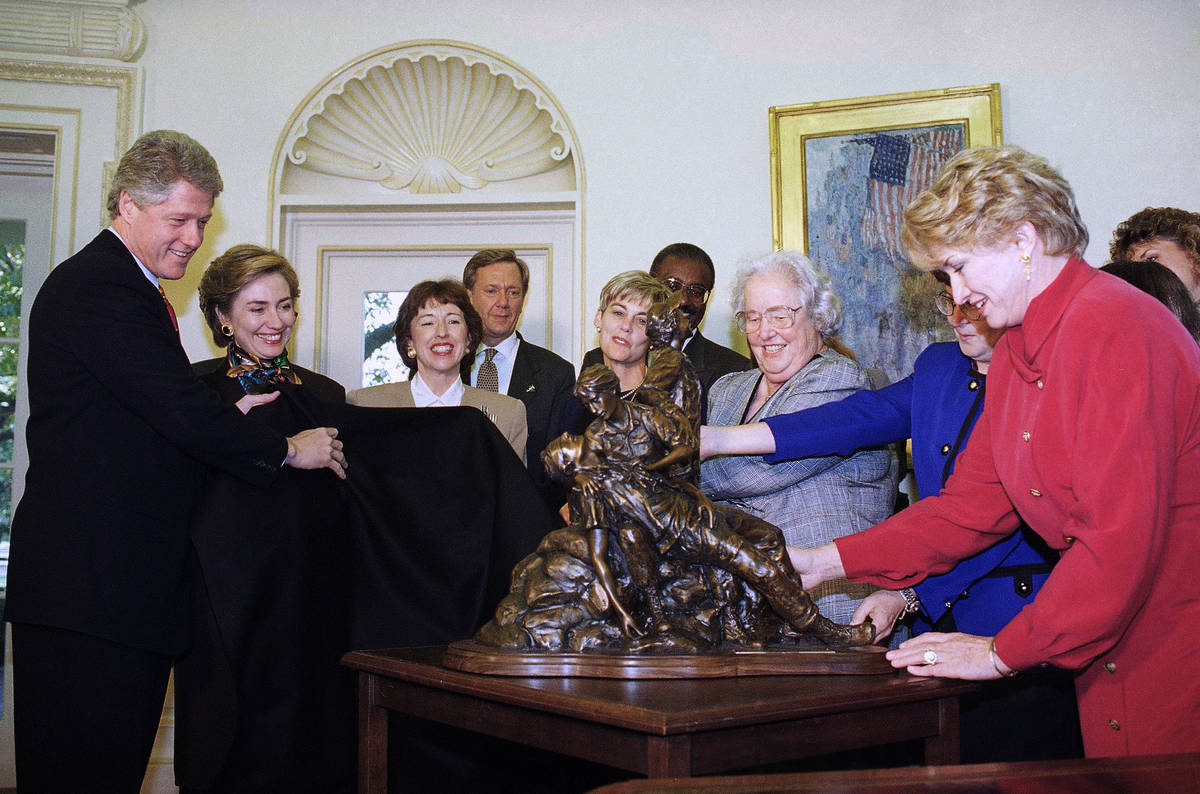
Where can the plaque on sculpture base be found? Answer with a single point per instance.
(472, 656)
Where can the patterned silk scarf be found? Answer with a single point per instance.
(255, 375)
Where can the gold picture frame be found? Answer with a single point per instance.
(842, 172)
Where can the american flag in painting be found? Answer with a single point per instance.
(903, 164)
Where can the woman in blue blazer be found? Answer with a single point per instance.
(937, 406)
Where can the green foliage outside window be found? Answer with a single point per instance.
(12, 260)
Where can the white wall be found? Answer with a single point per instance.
(669, 99)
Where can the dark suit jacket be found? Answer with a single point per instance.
(710, 360)
(543, 381)
(119, 432)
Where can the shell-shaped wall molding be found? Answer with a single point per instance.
(434, 123)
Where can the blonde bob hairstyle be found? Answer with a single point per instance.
(638, 285)
(982, 195)
(817, 298)
(225, 277)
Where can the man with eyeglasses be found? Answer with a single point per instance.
(688, 271)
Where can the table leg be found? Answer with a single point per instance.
(668, 756)
(944, 748)
(372, 737)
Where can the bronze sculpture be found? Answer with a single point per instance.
(648, 563)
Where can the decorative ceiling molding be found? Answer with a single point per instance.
(74, 29)
(433, 117)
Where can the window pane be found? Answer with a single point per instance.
(5, 515)
(381, 360)
(12, 259)
(8, 399)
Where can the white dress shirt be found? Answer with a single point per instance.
(423, 396)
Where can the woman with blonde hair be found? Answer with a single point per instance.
(1091, 434)
(621, 321)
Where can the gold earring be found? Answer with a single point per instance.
(1028, 267)
(412, 352)
(226, 329)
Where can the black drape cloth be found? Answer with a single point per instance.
(416, 547)
(443, 509)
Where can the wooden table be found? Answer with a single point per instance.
(1164, 773)
(657, 728)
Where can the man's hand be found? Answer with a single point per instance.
(317, 449)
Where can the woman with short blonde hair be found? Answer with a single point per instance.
(1091, 434)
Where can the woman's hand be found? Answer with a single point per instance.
(947, 656)
(317, 449)
(254, 400)
(816, 565)
(883, 607)
(755, 438)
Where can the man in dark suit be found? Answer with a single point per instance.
(689, 273)
(498, 281)
(102, 573)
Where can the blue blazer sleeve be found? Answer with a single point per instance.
(931, 406)
(864, 419)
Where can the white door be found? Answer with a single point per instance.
(346, 259)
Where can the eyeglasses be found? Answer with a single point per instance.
(946, 305)
(778, 317)
(697, 291)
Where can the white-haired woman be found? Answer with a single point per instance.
(789, 312)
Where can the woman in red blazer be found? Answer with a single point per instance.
(1090, 432)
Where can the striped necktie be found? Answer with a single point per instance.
(488, 379)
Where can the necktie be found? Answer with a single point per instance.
(488, 379)
(170, 309)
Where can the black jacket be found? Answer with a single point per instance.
(119, 433)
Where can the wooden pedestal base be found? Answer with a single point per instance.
(471, 656)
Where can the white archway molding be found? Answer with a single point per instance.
(416, 132)
(430, 119)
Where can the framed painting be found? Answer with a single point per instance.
(842, 172)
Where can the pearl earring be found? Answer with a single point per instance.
(1028, 267)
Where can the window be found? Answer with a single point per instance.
(381, 359)
(12, 260)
